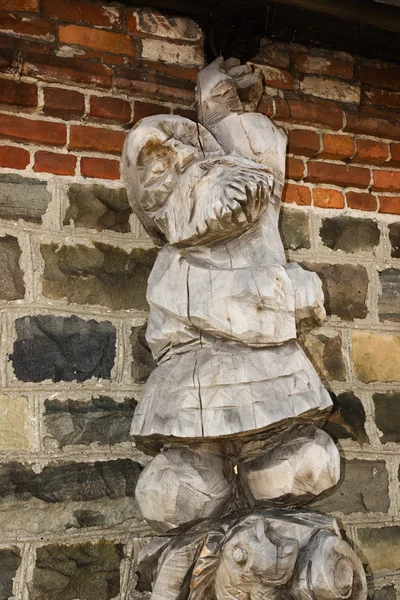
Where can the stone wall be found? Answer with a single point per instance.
(75, 77)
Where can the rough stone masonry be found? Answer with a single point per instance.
(75, 76)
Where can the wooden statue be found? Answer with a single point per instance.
(233, 407)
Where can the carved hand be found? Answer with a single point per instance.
(226, 87)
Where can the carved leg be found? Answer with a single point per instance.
(182, 484)
(295, 471)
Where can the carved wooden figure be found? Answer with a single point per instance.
(233, 407)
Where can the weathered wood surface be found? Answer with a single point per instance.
(262, 555)
(233, 402)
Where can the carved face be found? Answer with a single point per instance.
(254, 560)
(186, 189)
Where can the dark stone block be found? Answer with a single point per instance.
(363, 488)
(98, 207)
(380, 548)
(387, 416)
(325, 353)
(143, 361)
(12, 284)
(100, 420)
(10, 559)
(394, 237)
(23, 198)
(350, 235)
(294, 228)
(386, 593)
(102, 275)
(63, 348)
(345, 289)
(70, 482)
(86, 571)
(389, 300)
(347, 419)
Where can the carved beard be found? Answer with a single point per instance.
(216, 200)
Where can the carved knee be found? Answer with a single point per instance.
(297, 470)
(182, 485)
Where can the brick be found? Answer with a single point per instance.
(325, 353)
(8, 57)
(371, 152)
(145, 109)
(176, 71)
(297, 194)
(386, 181)
(188, 114)
(98, 207)
(155, 87)
(15, 435)
(62, 348)
(23, 198)
(276, 78)
(350, 235)
(67, 70)
(20, 5)
(380, 548)
(294, 168)
(384, 77)
(342, 175)
(376, 357)
(337, 147)
(327, 198)
(10, 559)
(341, 299)
(312, 113)
(34, 27)
(394, 237)
(99, 275)
(66, 104)
(81, 11)
(112, 110)
(320, 65)
(12, 157)
(330, 89)
(99, 420)
(100, 168)
(389, 298)
(143, 362)
(294, 228)
(272, 53)
(18, 93)
(173, 53)
(15, 44)
(382, 98)
(96, 39)
(31, 130)
(267, 106)
(375, 126)
(82, 570)
(394, 155)
(387, 416)
(154, 23)
(12, 285)
(361, 201)
(85, 137)
(50, 162)
(363, 488)
(303, 142)
(389, 205)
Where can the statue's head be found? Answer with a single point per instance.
(185, 189)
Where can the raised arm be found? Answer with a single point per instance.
(228, 94)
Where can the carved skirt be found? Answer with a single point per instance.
(226, 390)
